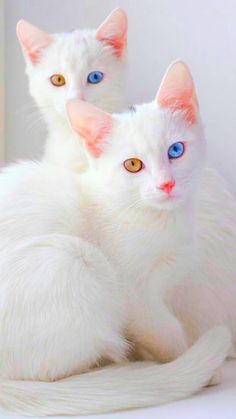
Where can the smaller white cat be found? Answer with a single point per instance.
(84, 64)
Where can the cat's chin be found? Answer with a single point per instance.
(169, 203)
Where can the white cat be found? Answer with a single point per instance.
(64, 308)
(172, 225)
(85, 64)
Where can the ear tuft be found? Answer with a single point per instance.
(113, 31)
(177, 91)
(90, 123)
(32, 40)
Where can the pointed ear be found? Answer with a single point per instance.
(32, 40)
(113, 31)
(177, 91)
(90, 123)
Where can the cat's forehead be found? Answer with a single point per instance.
(150, 127)
(76, 38)
(148, 132)
(76, 48)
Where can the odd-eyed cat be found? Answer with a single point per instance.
(64, 308)
(85, 64)
(169, 227)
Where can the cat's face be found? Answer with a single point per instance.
(87, 65)
(151, 157)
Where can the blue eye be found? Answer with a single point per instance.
(176, 150)
(95, 77)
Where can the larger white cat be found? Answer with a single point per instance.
(85, 64)
(63, 306)
(172, 225)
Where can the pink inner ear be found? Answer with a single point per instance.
(117, 44)
(92, 124)
(180, 101)
(32, 40)
(177, 92)
(113, 31)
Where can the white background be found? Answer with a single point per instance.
(202, 32)
(2, 84)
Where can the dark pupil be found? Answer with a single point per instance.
(59, 79)
(95, 76)
(175, 148)
(132, 162)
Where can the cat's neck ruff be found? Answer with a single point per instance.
(142, 235)
(63, 147)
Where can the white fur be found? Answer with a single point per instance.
(120, 387)
(175, 254)
(61, 303)
(61, 317)
(88, 259)
(74, 55)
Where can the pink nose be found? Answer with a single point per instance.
(167, 186)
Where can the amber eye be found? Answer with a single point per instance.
(133, 165)
(57, 80)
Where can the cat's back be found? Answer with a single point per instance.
(37, 198)
(216, 227)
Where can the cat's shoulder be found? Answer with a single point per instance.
(216, 200)
(36, 177)
(213, 184)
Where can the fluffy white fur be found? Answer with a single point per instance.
(120, 387)
(86, 260)
(74, 55)
(63, 308)
(175, 252)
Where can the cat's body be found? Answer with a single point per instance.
(64, 308)
(173, 224)
(73, 217)
(73, 57)
(174, 272)
(208, 295)
(90, 258)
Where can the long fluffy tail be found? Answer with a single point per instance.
(121, 387)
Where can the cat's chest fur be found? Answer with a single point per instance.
(135, 243)
(64, 149)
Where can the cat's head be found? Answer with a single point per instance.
(148, 157)
(84, 64)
